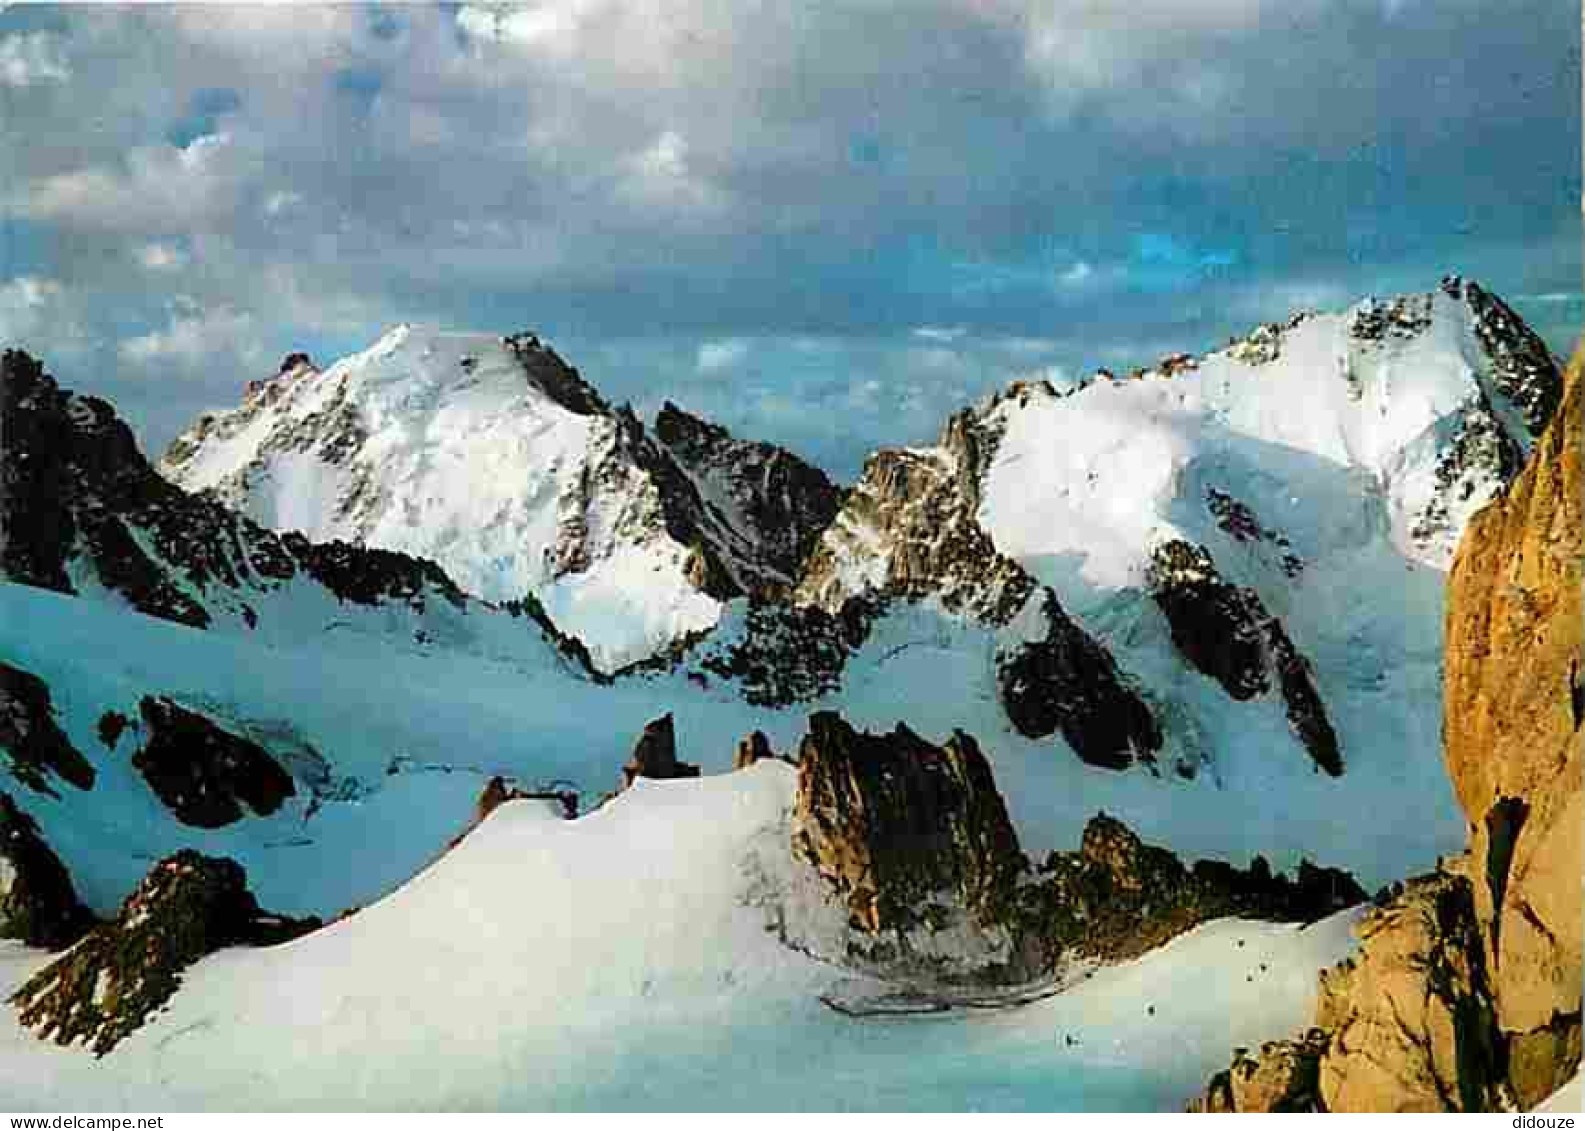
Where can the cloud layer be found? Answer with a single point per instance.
(827, 223)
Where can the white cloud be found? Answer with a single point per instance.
(612, 165)
(713, 357)
(282, 200)
(196, 340)
(161, 257)
(1077, 275)
(160, 189)
(29, 292)
(32, 58)
(546, 24)
(940, 333)
(661, 177)
(666, 159)
(41, 315)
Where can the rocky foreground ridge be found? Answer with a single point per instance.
(914, 841)
(1466, 992)
(109, 984)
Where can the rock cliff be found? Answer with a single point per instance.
(38, 903)
(897, 824)
(1512, 721)
(1225, 632)
(914, 839)
(29, 735)
(655, 755)
(202, 772)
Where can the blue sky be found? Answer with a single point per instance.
(827, 224)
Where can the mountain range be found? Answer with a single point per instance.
(1205, 598)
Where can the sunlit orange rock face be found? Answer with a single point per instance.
(1511, 722)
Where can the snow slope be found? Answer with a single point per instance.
(1077, 488)
(622, 961)
(446, 721)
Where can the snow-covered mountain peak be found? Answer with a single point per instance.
(495, 458)
(486, 454)
(1428, 402)
(83, 512)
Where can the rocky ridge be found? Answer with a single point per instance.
(655, 755)
(724, 520)
(767, 506)
(909, 532)
(894, 823)
(913, 840)
(1224, 631)
(112, 982)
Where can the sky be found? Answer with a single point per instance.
(828, 224)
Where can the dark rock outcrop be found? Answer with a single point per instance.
(912, 837)
(1118, 897)
(895, 825)
(75, 487)
(1285, 1076)
(1517, 395)
(499, 790)
(1068, 682)
(746, 511)
(1225, 632)
(1301, 700)
(1239, 522)
(547, 372)
(203, 773)
(781, 503)
(910, 528)
(788, 654)
(1481, 451)
(1523, 370)
(111, 726)
(1404, 317)
(109, 984)
(31, 737)
(295, 360)
(1216, 626)
(496, 793)
(754, 748)
(38, 903)
(655, 755)
(912, 515)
